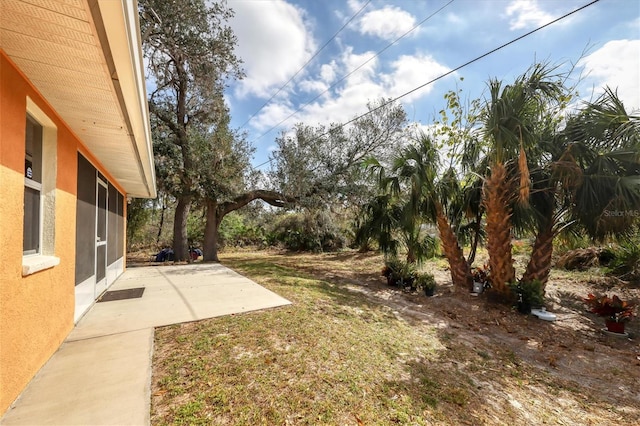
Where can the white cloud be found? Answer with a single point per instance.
(526, 14)
(355, 5)
(273, 42)
(365, 85)
(271, 115)
(410, 72)
(361, 66)
(388, 23)
(312, 86)
(328, 72)
(617, 65)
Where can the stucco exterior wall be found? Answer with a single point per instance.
(36, 311)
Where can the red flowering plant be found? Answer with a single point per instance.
(614, 308)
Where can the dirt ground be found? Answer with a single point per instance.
(573, 349)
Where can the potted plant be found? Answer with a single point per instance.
(616, 310)
(391, 270)
(529, 294)
(426, 282)
(481, 279)
(399, 273)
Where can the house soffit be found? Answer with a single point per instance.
(82, 55)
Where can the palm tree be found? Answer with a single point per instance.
(603, 141)
(413, 195)
(393, 217)
(420, 162)
(593, 170)
(511, 120)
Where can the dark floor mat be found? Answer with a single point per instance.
(130, 293)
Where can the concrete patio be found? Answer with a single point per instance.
(101, 374)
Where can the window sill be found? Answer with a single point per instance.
(33, 264)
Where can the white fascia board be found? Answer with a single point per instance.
(121, 24)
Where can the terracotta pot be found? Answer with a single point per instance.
(615, 327)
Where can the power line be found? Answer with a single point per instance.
(454, 70)
(470, 62)
(353, 71)
(305, 65)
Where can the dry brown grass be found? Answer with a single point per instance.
(351, 351)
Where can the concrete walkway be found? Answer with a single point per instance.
(101, 374)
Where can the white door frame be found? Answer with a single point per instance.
(101, 243)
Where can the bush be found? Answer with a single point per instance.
(308, 231)
(626, 260)
(237, 231)
(195, 228)
(528, 295)
(425, 281)
(399, 273)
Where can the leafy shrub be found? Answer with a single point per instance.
(626, 262)
(520, 247)
(528, 294)
(568, 241)
(195, 228)
(237, 231)
(399, 273)
(425, 280)
(308, 231)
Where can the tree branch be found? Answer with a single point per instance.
(166, 119)
(271, 197)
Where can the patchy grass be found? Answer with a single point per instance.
(351, 351)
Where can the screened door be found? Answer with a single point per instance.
(101, 237)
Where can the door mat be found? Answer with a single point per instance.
(130, 293)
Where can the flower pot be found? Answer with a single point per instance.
(524, 307)
(429, 291)
(615, 327)
(477, 287)
(407, 282)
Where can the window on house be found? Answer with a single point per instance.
(40, 166)
(32, 188)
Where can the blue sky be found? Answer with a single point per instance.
(276, 38)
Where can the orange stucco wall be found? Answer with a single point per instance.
(36, 311)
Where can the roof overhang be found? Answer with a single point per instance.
(84, 57)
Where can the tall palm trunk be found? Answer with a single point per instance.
(460, 270)
(540, 262)
(497, 192)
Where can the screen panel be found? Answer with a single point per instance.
(112, 227)
(85, 220)
(121, 239)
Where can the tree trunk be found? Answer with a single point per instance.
(162, 212)
(498, 213)
(210, 246)
(476, 239)
(180, 243)
(460, 270)
(411, 256)
(217, 211)
(540, 262)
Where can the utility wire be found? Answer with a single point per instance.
(353, 71)
(305, 65)
(455, 69)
